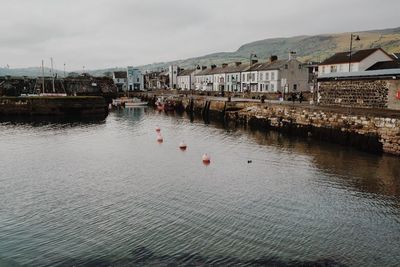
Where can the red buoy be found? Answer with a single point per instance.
(158, 129)
(206, 159)
(182, 146)
(160, 139)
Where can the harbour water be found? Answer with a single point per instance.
(107, 194)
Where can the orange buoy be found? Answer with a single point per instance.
(160, 139)
(206, 159)
(182, 146)
(158, 129)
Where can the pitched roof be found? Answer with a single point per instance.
(186, 72)
(383, 65)
(120, 74)
(236, 68)
(356, 56)
(274, 65)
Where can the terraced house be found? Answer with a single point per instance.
(186, 79)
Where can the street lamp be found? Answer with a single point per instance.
(251, 63)
(355, 38)
(251, 56)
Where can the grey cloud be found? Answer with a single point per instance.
(108, 33)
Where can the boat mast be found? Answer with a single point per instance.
(52, 74)
(43, 76)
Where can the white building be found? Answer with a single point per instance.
(120, 80)
(234, 77)
(134, 79)
(204, 79)
(173, 76)
(359, 60)
(249, 77)
(186, 79)
(219, 77)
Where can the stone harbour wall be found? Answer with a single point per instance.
(375, 133)
(359, 93)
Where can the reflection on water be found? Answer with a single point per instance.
(106, 193)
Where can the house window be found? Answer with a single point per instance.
(253, 76)
(294, 87)
(261, 76)
(333, 68)
(266, 87)
(243, 76)
(300, 67)
(272, 87)
(267, 76)
(286, 66)
(272, 76)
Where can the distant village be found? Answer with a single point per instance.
(352, 78)
(271, 75)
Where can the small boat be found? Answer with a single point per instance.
(135, 102)
(128, 102)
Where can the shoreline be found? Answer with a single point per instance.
(372, 130)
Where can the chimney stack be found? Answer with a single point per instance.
(224, 65)
(253, 61)
(238, 63)
(203, 67)
(213, 66)
(292, 55)
(273, 58)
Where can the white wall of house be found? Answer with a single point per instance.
(268, 81)
(219, 82)
(343, 67)
(233, 82)
(204, 82)
(250, 81)
(183, 82)
(377, 56)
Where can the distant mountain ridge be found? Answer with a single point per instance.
(308, 48)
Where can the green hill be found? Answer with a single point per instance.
(308, 48)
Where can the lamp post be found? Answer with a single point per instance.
(251, 63)
(355, 38)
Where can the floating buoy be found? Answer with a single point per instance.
(160, 139)
(206, 159)
(158, 129)
(182, 146)
(249, 161)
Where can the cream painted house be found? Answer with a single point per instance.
(359, 60)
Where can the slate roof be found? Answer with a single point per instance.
(383, 65)
(275, 65)
(357, 56)
(186, 72)
(120, 74)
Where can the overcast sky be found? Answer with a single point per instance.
(109, 33)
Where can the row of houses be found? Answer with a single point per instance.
(270, 76)
(273, 75)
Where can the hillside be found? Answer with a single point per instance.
(308, 48)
